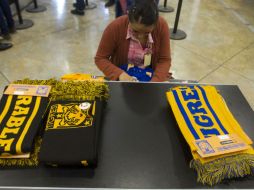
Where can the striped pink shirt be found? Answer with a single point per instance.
(136, 51)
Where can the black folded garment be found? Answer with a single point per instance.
(71, 134)
(21, 118)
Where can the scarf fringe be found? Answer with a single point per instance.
(24, 162)
(228, 167)
(72, 90)
(82, 90)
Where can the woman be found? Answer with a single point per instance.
(122, 5)
(141, 39)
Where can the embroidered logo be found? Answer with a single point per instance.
(205, 147)
(62, 116)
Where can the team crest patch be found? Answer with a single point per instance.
(70, 115)
(42, 90)
(205, 147)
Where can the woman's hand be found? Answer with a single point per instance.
(125, 77)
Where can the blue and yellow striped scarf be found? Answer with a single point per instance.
(201, 112)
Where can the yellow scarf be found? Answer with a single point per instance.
(82, 77)
(201, 112)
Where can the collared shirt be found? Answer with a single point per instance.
(136, 51)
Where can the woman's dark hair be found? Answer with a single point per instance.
(143, 11)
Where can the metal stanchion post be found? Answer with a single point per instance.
(90, 5)
(21, 23)
(164, 8)
(36, 8)
(176, 34)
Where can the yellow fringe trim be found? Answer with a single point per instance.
(71, 90)
(24, 162)
(228, 167)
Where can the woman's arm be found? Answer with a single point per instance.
(161, 72)
(106, 49)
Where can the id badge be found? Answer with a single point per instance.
(147, 59)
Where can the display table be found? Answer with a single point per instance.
(140, 147)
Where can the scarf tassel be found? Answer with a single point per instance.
(228, 167)
(24, 162)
